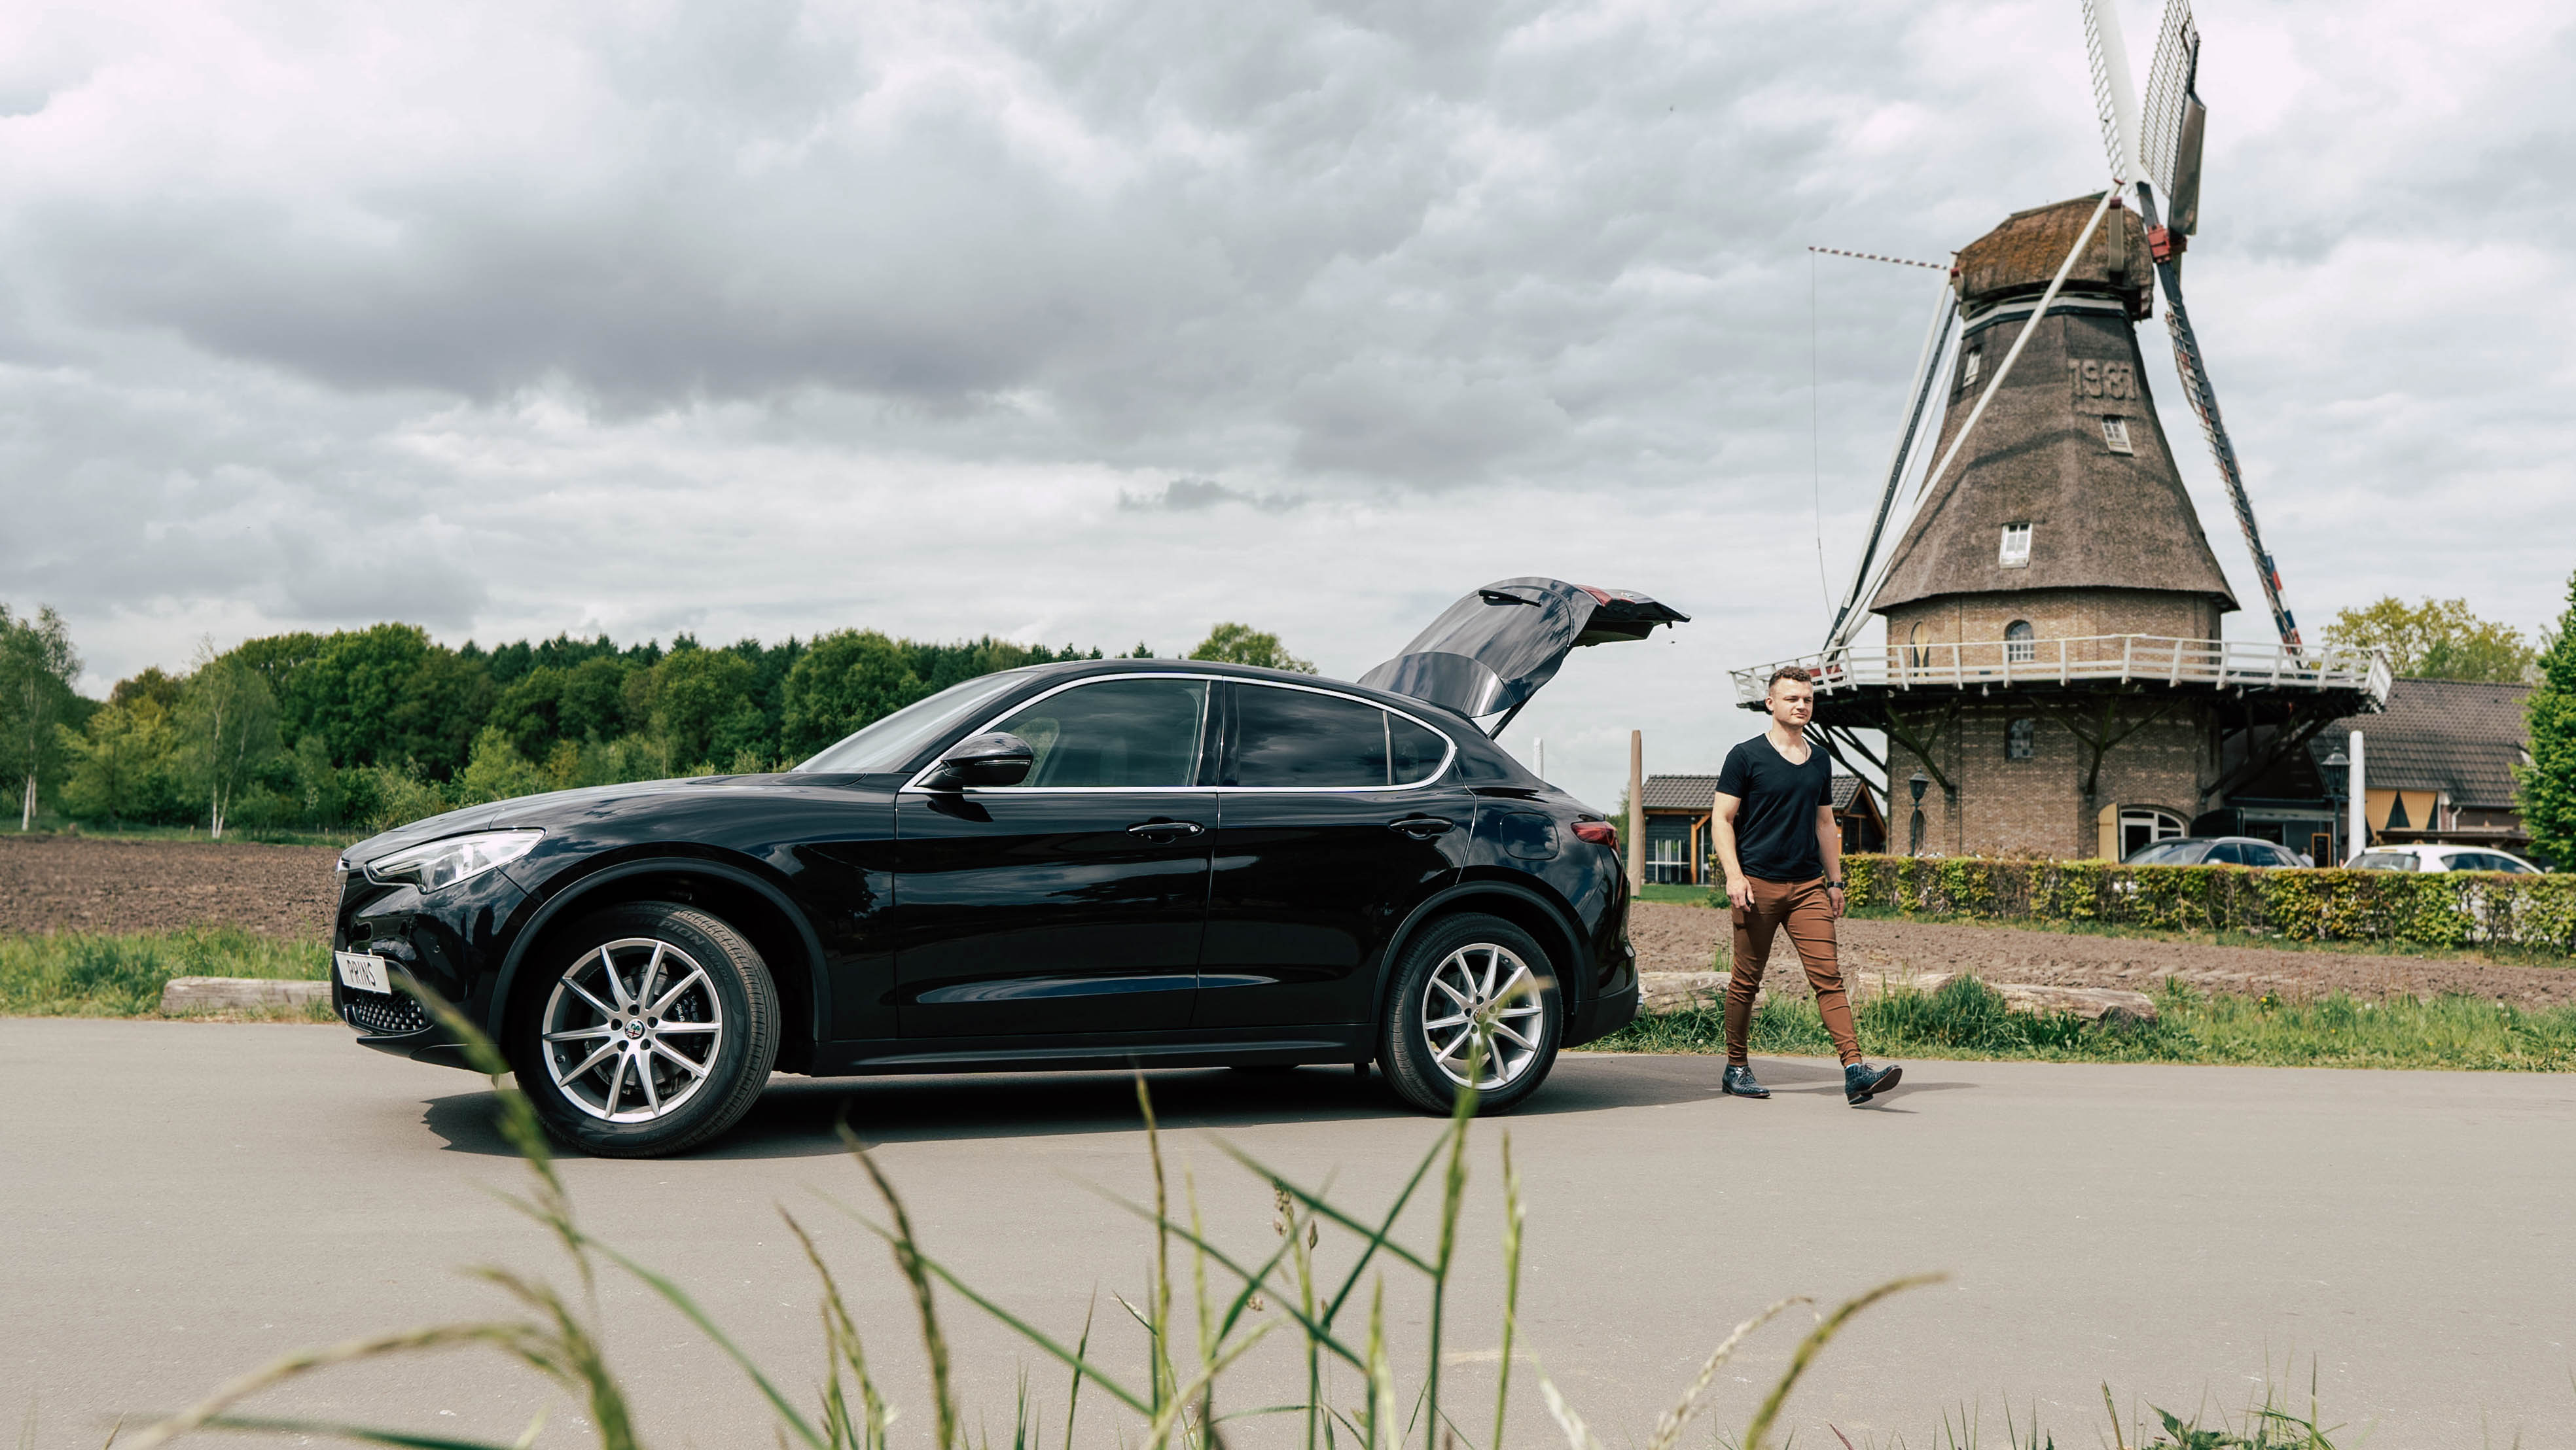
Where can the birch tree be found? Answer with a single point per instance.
(229, 718)
(37, 666)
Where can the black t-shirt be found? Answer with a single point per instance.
(1775, 830)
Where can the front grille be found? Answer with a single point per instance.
(377, 1013)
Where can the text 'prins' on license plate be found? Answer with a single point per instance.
(363, 971)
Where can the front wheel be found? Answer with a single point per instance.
(651, 1029)
(1469, 976)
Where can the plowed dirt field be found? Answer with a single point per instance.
(77, 883)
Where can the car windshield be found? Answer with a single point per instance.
(2384, 861)
(893, 741)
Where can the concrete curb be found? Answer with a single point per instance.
(186, 995)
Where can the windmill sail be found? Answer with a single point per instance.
(2168, 140)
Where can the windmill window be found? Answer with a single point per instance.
(1968, 367)
(2021, 647)
(2021, 739)
(2115, 434)
(2016, 547)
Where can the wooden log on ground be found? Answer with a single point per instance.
(186, 995)
(1680, 991)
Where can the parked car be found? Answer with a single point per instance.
(1087, 864)
(2216, 851)
(2441, 858)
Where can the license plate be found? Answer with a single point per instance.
(364, 971)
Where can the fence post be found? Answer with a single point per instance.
(1636, 811)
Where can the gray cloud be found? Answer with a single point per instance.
(780, 316)
(1187, 495)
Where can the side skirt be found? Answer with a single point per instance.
(868, 1057)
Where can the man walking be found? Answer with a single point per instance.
(1783, 856)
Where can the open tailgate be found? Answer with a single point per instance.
(1493, 649)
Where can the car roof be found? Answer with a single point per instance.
(1393, 700)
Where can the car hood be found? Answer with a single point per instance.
(561, 806)
(1493, 649)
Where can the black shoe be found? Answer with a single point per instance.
(1861, 1082)
(1739, 1082)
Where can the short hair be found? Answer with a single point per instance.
(1797, 673)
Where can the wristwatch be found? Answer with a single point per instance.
(1833, 886)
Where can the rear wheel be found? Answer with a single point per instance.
(1466, 976)
(651, 1029)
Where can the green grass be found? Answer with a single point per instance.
(76, 974)
(1675, 895)
(1966, 1019)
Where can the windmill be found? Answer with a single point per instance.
(2054, 660)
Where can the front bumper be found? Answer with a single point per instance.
(449, 942)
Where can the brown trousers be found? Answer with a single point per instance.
(1801, 907)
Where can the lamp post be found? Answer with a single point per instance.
(2335, 766)
(1917, 783)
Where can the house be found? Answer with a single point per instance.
(2439, 762)
(1679, 849)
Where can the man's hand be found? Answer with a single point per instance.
(1739, 893)
(1834, 901)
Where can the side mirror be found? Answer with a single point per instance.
(1000, 758)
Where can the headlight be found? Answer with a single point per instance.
(444, 863)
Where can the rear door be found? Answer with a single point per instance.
(1338, 818)
(1074, 901)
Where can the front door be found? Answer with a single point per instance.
(1337, 823)
(1074, 901)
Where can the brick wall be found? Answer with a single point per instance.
(2053, 614)
(2036, 806)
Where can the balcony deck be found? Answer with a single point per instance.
(1881, 673)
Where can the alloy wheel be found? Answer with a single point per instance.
(632, 1030)
(1482, 982)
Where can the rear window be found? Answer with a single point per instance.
(1302, 739)
(2384, 861)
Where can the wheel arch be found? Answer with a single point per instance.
(755, 907)
(1547, 921)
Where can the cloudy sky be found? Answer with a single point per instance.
(1100, 322)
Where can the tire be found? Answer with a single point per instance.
(620, 1083)
(1424, 1040)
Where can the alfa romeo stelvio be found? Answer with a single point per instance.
(1089, 864)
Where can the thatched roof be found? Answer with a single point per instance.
(2017, 258)
(2099, 519)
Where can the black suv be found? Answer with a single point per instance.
(1079, 865)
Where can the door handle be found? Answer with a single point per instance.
(1422, 828)
(1166, 828)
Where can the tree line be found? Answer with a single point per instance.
(371, 727)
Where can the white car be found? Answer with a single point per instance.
(2440, 858)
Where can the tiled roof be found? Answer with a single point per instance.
(2460, 736)
(1679, 792)
(1693, 792)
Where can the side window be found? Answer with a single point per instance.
(1414, 752)
(2225, 853)
(1115, 735)
(1299, 738)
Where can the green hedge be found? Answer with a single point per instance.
(2435, 908)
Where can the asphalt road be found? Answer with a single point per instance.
(181, 1202)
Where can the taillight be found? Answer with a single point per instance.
(1599, 833)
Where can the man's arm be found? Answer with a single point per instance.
(1722, 824)
(1829, 840)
